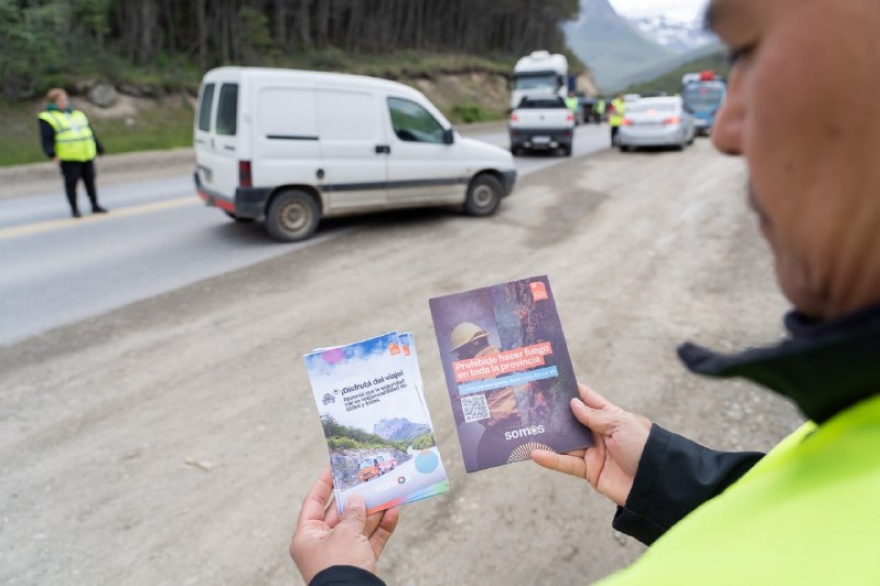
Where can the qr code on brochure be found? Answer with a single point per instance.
(475, 408)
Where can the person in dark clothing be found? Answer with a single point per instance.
(68, 139)
(807, 511)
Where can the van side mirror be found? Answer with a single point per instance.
(449, 136)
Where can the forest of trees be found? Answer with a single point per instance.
(40, 39)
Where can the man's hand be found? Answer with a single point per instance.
(323, 538)
(611, 463)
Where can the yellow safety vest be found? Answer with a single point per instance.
(572, 104)
(74, 139)
(616, 119)
(807, 513)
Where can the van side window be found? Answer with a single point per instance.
(205, 107)
(412, 123)
(227, 110)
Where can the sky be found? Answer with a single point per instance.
(684, 10)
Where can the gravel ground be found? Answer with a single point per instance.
(171, 441)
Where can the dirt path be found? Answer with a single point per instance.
(171, 442)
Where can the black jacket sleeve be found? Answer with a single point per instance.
(47, 138)
(674, 477)
(98, 145)
(345, 576)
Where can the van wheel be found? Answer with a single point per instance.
(293, 215)
(483, 196)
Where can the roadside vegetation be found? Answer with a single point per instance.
(158, 50)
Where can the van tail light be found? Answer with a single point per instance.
(673, 120)
(626, 122)
(514, 117)
(570, 118)
(245, 179)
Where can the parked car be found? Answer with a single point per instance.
(290, 147)
(653, 122)
(541, 122)
(376, 466)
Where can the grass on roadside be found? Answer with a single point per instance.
(167, 124)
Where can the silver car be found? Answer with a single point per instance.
(654, 122)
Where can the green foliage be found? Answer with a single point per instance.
(167, 46)
(255, 38)
(469, 113)
(350, 437)
(423, 442)
(162, 127)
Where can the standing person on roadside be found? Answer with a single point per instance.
(69, 140)
(615, 116)
(574, 104)
(807, 512)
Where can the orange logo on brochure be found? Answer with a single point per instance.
(539, 290)
(394, 349)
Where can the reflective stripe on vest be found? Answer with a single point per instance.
(74, 139)
(807, 513)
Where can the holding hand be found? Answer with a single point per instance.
(323, 538)
(611, 463)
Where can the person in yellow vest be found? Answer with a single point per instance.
(808, 511)
(599, 109)
(68, 139)
(574, 105)
(615, 116)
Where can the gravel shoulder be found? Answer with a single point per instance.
(171, 441)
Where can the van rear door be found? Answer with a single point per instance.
(216, 140)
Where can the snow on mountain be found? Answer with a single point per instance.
(675, 34)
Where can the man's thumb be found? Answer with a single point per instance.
(355, 512)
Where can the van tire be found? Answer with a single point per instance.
(293, 215)
(483, 196)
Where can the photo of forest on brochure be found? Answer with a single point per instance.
(508, 372)
(378, 430)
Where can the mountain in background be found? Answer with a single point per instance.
(399, 429)
(621, 52)
(610, 45)
(675, 34)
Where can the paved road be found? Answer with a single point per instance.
(55, 270)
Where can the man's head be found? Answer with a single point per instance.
(58, 97)
(803, 108)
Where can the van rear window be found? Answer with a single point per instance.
(205, 107)
(227, 110)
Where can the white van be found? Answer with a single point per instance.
(290, 147)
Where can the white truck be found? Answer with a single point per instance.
(541, 122)
(539, 73)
